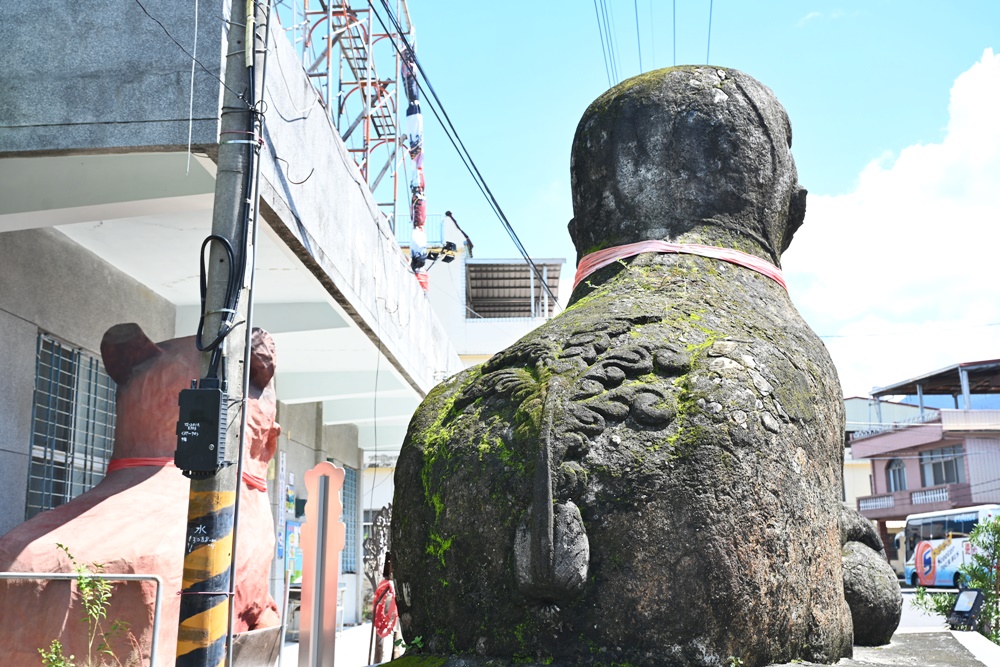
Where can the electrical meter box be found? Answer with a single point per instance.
(201, 431)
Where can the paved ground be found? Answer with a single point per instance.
(920, 641)
(924, 640)
(351, 649)
(923, 649)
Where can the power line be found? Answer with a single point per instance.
(166, 32)
(460, 146)
(925, 459)
(675, 33)
(613, 31)
(456, 141)
(604, 52)
(708, 50)
(611, 47)
(652, 32)
(638, 42)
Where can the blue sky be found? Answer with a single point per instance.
(902, 163)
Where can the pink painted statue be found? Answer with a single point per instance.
(135, 520)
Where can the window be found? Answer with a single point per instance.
(933, 529)
(73, 424)
(913, 530)
(942, 466)
(960, 525)
(366, 529)
(349, 559)
(895, 475)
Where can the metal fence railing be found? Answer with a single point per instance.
(434, 227)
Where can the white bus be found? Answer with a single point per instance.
(937, 543)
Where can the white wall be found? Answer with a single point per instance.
(857, 479)
(377, 488)
(983, 469)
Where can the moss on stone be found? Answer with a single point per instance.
(438, 546)
(643, 85)
(419, 661)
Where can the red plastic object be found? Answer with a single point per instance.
(385, 609)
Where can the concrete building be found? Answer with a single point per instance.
(103, 209)
(926, 459)
(866, 416)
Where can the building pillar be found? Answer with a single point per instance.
(890, 546)
(963, 376)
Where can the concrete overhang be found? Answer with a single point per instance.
(323, 354)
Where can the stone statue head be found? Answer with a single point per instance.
(686, 154)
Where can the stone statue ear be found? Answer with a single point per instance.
(262, 358)
(124, 347)
(574, 236)
(796, 215)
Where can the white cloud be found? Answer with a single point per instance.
(811, 16)
(832, 16)
(913, 253)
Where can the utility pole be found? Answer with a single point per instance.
(212, 415)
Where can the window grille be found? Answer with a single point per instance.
(349, 560)
(73, 424)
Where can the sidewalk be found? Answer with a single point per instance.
(920, 641)
(351, 649)
(923, 640)
(924, 649)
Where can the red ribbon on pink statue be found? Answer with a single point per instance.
(253, 481)
(158, 462)
(601, 258)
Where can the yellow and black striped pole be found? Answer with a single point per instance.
(205, 622)
(204, 617)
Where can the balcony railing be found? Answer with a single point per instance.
(951, 420)
(876, 503)
(930, 415)
(898, 504)
(434, 228)
(938, 495)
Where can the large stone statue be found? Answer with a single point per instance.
(135, 520)
(652, 477)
